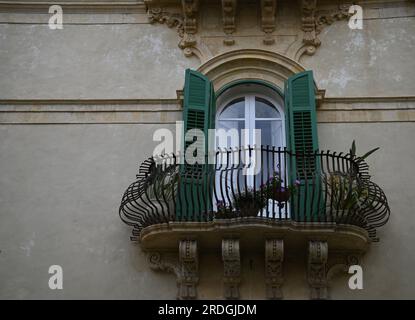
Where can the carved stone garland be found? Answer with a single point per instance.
(232, 268)
(274, 257)
(317, 269)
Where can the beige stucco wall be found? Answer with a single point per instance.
(61, 179)
(60, 191)
(375, 61)
(121, 56)
(90, 62)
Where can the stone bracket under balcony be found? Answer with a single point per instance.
(325, 250)
(318, 224)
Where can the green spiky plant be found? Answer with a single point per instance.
(367, 154)
(345, 190)
(164, 185)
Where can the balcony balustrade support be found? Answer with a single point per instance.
(189, 269)
(325, 201)
(317, 269)
(274, 258)
(231, 268)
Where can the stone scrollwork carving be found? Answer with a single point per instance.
(184, 16)
(229, 24)
(308, 25)
(327, 17)
(321, 269)
(268, 11)
(157, 262)
(317, 269)
(232, 268)
(172, 20)
(188, 269)
(340, 263)
(274, 257)
(313, 21)
(184, 22)
(190, 10)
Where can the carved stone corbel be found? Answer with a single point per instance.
(190, 10)
(317, 269)
(268, 10)
(308, 9)
(232, 268)
(274, 257)
(188, 269)
(229, 24)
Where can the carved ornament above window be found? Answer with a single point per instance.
(206, 29)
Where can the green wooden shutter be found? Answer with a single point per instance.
(198, 113)
(302, 141)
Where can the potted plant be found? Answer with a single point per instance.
(275, 190)
(223, 211)
(346, 191)
(162, 188)
(250, 202)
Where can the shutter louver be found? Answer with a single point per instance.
(197, 114)
(303, 142)
(301, 122)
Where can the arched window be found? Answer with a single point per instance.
(249, 107)
(246, 107)
(256, 113)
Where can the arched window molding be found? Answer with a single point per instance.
(252, 65)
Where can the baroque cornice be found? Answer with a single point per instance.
(184, 16)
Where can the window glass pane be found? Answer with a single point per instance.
(235, 109)
(271, 135)
(271, 132)
(226, 141)
(264, 109)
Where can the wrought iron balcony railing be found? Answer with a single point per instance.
(264, 182)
